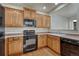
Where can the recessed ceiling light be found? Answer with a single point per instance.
(74, 20)
(44, 7)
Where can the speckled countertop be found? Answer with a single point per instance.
(70, 36)
(13, 35)
(75, 37)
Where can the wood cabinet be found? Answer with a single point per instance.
(42, 21)
(33, 14)
(13, 17)
(54, 43)
(14, 46)
(42, 41)
(46, 21)
(49, 41)
(38, 20)
(29, 13)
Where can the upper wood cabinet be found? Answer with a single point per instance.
(14, 46)
(29, 13)
(46, 21)
(42, 21)
(42, 41)
(13, 17)
(54, 43)
(39, 21)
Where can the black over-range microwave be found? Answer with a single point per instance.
(29, 23)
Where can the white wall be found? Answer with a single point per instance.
(59, 22)
(62, 19)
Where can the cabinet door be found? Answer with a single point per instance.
(26, 13)
(42, 21)
(32, 14)
(15, 46)
(14, 18)
(19, 21)
(10, 46)
(56, 44)
(29, 13)
(18, 45)
(46, 21)
(17, 18)
(50, 42)
(8, 17)
(42, 42)
(39, 42)
(39, 21)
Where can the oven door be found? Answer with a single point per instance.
(29, 43)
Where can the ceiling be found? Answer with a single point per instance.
(70, 10)
(36, 6)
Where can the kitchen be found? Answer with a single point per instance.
(39, 29)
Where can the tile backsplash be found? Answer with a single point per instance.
(20, 30)
(64, 31)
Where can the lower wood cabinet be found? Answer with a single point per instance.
(54, 43)
(14, 46)
(49, 41)
(42, 41)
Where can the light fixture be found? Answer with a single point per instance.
(44, 7)
(56, 3)
(74, 20)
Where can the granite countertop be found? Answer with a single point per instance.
(13, 35)
(70, 36)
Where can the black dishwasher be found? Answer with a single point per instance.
(69, 47)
